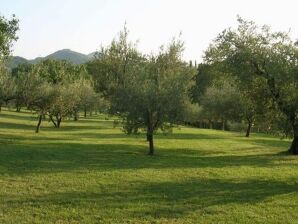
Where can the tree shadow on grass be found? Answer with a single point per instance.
(69, 128)
(95, 136)
(7, 125)
(19, 116)
(273, 143)
(22, 159)
(199, 194)
(177, 136)
(50, 128)
(65, 126)
(190, 136)
(170, 199)
(270, 143)
(17, 140)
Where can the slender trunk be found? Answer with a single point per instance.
(59, 119)
(59, 123)
(248, 128)
(85, 112)
(151, 145)
(76, 116)
(147, 135)
(0, 107)
(38, 124)
(153, 121)
(90, 113)
(52, 119)
(18, 109)
(150, 134)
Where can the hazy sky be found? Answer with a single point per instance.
(83, 25)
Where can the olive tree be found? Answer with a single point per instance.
(8, 29)
(251, 52)
(25, 81)
(157, 95)
(148, 91)
(38, 94)
(88, 97)
(63, 78)
(229, 94)
(42, 99)
(7, 86)
(222, 102)
(63, 105)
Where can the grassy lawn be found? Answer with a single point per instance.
(90, 172)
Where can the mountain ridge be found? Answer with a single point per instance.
(63, 54)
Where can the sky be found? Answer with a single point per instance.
(84, 25)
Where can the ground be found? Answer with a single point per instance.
(90, 172)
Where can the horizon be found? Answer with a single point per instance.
(83, 26)
(65, 49)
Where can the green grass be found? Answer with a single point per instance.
(90, 172)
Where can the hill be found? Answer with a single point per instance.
(65, 54)
(15, 61)
(69, 55)
(91, 172)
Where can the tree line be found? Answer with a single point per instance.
(249, 77)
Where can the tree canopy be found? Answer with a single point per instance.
(148, 91)
(251, 52)
(8, 29)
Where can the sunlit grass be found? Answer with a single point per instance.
(90, 172)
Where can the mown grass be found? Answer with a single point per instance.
(90, 172)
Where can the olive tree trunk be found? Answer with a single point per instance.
(38, 124)
(249, 125)
(76, 115)
(59, 119)
(85, 112)
(151, 144)
(53, 121)
(150, 136)
(18, 108)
